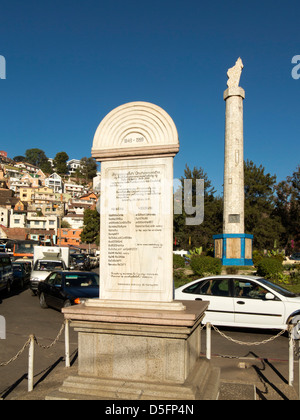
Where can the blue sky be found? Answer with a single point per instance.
(70, 62)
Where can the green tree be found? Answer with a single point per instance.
(19, 159)
(60, 163)
(46, 167)
(260, 215)
(199, 235)
(88, 168)
(36, 157)
(91, 227)
(288, 209)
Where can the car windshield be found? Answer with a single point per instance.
(78, 257)
(82, 280)
(48, 265)
(277, 288)
(17, 267)
(295, 256)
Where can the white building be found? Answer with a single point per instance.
(54, 181)
(41, 222)
(73, 189)
(97, 182)
(17, 220)
(4, 216)
(72, 165)
(74, 220)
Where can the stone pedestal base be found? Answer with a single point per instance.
(234, 248)
(135, 354)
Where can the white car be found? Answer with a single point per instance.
(242, 301)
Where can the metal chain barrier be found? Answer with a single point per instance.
(293, 351)
(54, 342)
(245, 343)
(30, 343)
(36, 341)
(18, 354)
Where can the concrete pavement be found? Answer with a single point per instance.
(241, 379)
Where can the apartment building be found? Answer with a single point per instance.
(67, 237)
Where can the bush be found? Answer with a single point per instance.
(269, 268)
(204, 266)
(178, 261)
(256, 257)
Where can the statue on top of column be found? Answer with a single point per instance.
(234, 73)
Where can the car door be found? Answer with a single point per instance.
(48, 289)
(57, 297)
(252, 309)
(218, 292)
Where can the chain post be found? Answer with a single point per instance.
(67, 343)
(291, 355)
(208, 340)
(30, 363)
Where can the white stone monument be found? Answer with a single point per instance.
(135, 341)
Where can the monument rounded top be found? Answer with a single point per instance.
(135, 130)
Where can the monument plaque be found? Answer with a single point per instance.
(137, 142)
(136, 230)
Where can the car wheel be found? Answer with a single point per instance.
(67, 303)
(43, 303)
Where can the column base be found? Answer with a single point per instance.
(233, 248)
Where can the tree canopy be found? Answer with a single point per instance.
(87, 169)
(91, 227)
(60, 163)
(36, 157)
(201, 234)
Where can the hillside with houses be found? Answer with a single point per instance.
(48, 208)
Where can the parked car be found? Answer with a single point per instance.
(27, 261)
(242, 301)
(6, 273)
(80, 262)
(94, 261)
(293, 259)
(65, 288)
(21, 274)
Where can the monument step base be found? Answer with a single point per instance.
(203, 384)
(126, 304)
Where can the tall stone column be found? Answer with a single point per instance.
(234, 247)
(233, 214)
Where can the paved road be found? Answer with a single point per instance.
(24, 317)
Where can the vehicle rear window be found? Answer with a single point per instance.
(82, 280)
